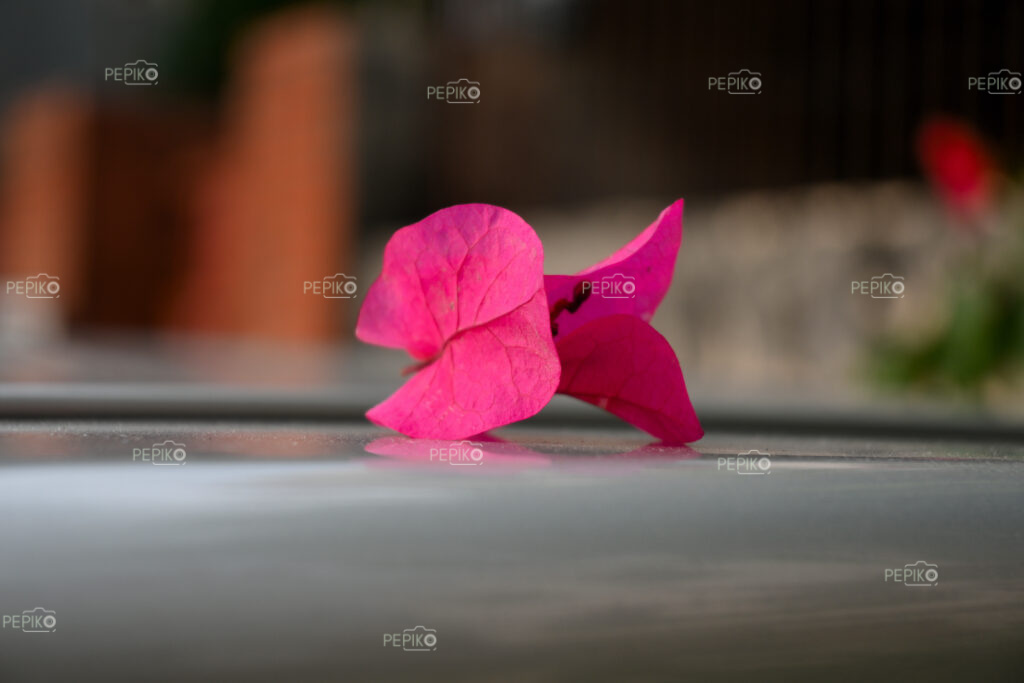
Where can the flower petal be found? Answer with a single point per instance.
(647, 262)
(486, 376)
(456, 269)
(623, 365)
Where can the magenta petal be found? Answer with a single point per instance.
(456, 269)
(623, 365)
(647, 262)
(486, 376)
(463, 291)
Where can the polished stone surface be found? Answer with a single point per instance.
(285, 551)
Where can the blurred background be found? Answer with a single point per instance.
(189, 203)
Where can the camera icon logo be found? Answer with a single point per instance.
(744, 82)
(462, 91)
(38, 620)
(340, 286)
(753, 462)
(170, 453)
(920, 573)
(618, 286)
(1004, 82)
(419, 639)
(886, 286)
(141, 72)
(759, 463)
(42, 286)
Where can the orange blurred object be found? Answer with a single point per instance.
(154, 220)
(279, 197)
(45, 198)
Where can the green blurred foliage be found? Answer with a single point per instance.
(980, 341)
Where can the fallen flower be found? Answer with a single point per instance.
(462, 292)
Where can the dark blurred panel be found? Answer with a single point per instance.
(618, 101)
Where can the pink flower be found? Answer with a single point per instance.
(958, 164)
(462, 292)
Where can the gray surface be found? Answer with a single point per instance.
(201, 401)
(285, 552)
(189, 379)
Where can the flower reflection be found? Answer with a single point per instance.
(481, 450)
(486, 450)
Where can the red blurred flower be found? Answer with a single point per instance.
(958, 164)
